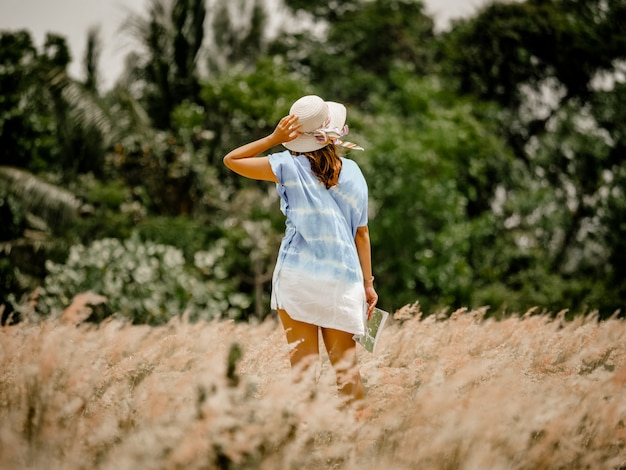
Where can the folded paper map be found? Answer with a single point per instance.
(373, 328)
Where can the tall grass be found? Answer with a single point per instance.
(465, 392)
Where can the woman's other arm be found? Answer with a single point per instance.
(363, 248)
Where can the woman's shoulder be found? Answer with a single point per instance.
(350, 166)
(282, 161)
(287, 157)
(283, 155)
(349, 162)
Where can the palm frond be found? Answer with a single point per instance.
(129, 115)
(85, 109)
(56, 206)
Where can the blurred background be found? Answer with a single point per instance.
(494, 135)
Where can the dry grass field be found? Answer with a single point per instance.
(464, 392)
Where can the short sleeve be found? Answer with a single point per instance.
(358, 188)
(282, 167)
(280, 163)
(363, 219)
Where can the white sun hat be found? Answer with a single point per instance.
(323, 123)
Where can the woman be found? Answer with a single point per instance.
(323, 276)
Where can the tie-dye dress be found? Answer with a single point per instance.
(318, 277)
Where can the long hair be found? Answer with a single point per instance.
(325, 164)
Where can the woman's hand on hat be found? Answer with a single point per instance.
(287, 129)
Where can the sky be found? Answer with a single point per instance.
(73, 18)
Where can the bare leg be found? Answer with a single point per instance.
(302, 338)
(342, 354)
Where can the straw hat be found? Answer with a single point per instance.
(323, 122)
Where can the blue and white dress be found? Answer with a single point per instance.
(318, 277)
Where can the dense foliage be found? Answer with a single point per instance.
(494, 152)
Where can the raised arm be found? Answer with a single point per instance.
(363, 248)
(242, 161)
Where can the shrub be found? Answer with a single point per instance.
(144, 281)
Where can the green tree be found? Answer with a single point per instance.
(331, 10)
(54, 128)
(509, 45)
(167, 70)
(363, 43)
(237, 40)
(35, 214)
(542, 61)
(610, 211)
(431, 166)
(50, 122)
(27, 130)
(91, 59)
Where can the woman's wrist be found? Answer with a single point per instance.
(272, 140)
(368, 281)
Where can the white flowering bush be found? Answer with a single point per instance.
(145, 282)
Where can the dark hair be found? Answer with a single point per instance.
(325, 164)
